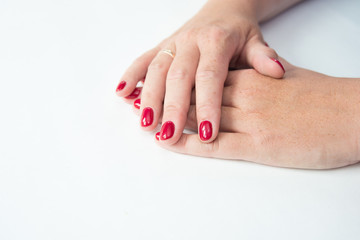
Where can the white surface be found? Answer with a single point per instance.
(75, 165)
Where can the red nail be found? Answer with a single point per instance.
(137, 103)
(157, 136)
(147, 117)
(278, 62)
(167, 130)
(266, 44)
(134, 94)
(121, 86)
(205, 130)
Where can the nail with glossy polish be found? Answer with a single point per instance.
(167, 130)
(147, 117)
(121, 86)
(134, 94)
(278, 62)
(157, 136)
(137, 103)
(205, 130)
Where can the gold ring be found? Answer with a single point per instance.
(168, 52)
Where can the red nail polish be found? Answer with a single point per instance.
(134, 94)
(157, 136)
(278, 62)
(266, 44)
(167, 130)
(121, 86)
(147, 117)
(205, 130)
(137, 103)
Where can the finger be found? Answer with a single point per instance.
(231, 119)
(226, 146)
(136, 106)
(154, 90)
(179, 82)
(135, 73)
(210, 77)
(263, 59)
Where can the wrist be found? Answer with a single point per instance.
(240, 8)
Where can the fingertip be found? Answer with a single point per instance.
(137, 104)
(206, 131)
(120, 87)
(167, 131)
(278, 74)
(157, 136)
(269, 66)
(147, 118)
(134, 94)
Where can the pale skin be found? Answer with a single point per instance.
(224, 34)
(306, 120)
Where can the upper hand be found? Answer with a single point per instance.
(204, 50)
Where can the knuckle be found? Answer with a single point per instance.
(157, 66)
(186, 36)
(177, 74)
(215, 34)
(172, 108)
(204, 110)
(206, 75)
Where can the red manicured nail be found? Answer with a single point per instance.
(157, 136)
(134, 94)
(205, 130)
(137, 103)
(147, 117)
(121, 86)
(167, 130)
(278, 62)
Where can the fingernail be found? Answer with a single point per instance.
(134, 94)
(167, 130)
(121, 86)
(147, 117)
(278, 62)
(157, 136)
(266, 44)
(205, 130)
(137, 103)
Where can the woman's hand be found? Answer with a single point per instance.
(223, 34)
(305, 120)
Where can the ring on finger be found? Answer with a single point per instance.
(168, 52)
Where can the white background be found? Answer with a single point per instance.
(75, 165)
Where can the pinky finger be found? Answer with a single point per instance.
(135, 73)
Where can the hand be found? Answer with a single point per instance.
(214, 40)
(305, 120)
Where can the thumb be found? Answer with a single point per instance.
(263, 59)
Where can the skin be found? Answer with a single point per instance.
(306, 120)
(224, 34)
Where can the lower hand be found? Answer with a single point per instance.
(306, 120)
